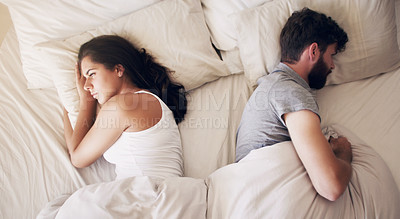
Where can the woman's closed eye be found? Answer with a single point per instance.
(90, 73)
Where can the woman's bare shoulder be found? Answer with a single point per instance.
(140, 109)
(139, 105)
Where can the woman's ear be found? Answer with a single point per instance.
(120, 70)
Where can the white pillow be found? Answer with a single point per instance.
(370, 26)
(173, 31)
(222, 29)
(38, 21)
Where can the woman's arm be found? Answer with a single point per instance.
(85, 120)
(90, 140)
(87, 141)
(86, 115)
(329, 174)
(92, 137)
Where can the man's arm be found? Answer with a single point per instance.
(329, 174)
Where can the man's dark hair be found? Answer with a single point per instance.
(305, 27)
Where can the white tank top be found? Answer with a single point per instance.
(156, 151)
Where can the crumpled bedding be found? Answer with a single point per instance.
(135, 197)
(270, 182)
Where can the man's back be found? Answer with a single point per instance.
(278, 93)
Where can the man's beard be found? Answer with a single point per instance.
(318, 74)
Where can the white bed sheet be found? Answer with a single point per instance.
(34, 164)
(209, 129)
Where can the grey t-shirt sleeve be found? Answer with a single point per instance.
(288, 96)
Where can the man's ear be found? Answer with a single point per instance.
(120, 70)
(313, 52)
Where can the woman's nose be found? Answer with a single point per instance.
(87, 85)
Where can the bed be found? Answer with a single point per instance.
(218, 50)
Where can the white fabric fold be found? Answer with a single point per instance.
(271, 182)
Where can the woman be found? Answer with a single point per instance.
(136, 127)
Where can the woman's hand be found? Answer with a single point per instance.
(80, 83)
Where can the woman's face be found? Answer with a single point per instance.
(101, 82)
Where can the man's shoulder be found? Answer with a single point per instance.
(287, 91)
(279, 80)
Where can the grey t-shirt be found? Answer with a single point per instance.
(283, 91)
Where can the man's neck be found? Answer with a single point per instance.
(301, 70)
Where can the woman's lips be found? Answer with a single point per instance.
(94, 95)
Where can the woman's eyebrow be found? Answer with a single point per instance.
(87, 72)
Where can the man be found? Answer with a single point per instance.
(284, 108)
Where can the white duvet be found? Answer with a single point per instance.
(135, 197)
(270, 182)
